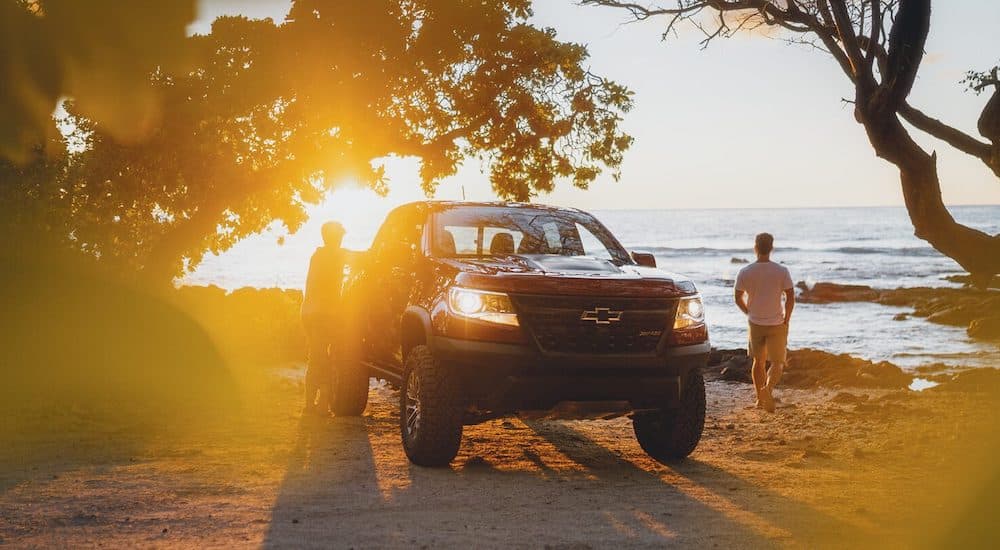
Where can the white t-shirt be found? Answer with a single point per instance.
(764, 283)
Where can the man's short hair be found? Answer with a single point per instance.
(332, 232)
(764, 243)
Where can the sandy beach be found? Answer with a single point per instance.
(833, 467)
(499, 207)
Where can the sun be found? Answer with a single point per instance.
(360, 210)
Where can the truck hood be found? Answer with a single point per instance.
(551, 274)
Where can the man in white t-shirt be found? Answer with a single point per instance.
(758, 292)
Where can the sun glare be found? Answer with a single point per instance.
(359, 210)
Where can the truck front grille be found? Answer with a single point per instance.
(589, 325)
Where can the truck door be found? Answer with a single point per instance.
(396, 254)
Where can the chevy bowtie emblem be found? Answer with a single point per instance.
(601, 316)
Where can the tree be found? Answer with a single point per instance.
(100, 52)
(878, 44)
(271, 117)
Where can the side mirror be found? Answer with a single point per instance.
(644, 259)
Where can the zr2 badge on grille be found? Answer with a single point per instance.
(601, 316)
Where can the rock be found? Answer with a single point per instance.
(972, 380)
(735, 260)
(955, 316)
(823, 293)
(933, 368)
(848, 398)
(808, 368)
(885, 374)
(951, 306)
(736, 371)
(985, 329)
(720, 359)
(900, 317)
(966, 280)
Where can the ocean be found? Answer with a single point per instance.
(868, 246)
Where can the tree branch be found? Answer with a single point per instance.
(845, 30)
(952, 136)
(906, 49)
(876, 30)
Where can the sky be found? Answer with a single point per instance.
(749, 122)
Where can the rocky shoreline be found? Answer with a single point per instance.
(976, 310)
(813, 369)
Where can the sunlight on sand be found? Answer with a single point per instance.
(653, 525)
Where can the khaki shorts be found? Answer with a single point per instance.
(770, 339)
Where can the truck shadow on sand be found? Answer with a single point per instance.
(762, 516)
(348, 484)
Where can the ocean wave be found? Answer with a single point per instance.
(979, 354)
(887, 251)
(920, 251)
(700, 250)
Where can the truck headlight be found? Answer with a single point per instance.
(482, 305)
(690, 313)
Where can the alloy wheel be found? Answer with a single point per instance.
(412, 408)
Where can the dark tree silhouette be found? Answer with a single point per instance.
(100, 52)
(879, 45)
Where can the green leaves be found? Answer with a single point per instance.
(977, 81)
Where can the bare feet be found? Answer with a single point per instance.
(766, 400)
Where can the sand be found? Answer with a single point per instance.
(832, 468)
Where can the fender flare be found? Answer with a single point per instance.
(418, 316)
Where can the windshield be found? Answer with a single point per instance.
(476, 231)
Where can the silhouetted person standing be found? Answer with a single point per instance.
(758, 292)
(319, 311)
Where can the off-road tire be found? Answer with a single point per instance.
(434, 440)
(350, 389)
(672, 434)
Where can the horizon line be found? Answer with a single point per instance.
(857, 207)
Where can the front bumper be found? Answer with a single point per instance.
(511, 377)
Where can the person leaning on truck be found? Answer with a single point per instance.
(319, 307)
(758, 292)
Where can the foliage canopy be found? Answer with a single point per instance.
(265, 118)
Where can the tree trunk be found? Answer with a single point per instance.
(976, 251)
(989, 127)
(878, 109)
